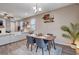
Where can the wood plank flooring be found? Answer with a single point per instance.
(6, 49)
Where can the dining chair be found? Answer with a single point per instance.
(40, 44)
(53, 44)
(53, 40)
(30, 41)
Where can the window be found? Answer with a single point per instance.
(33, 24)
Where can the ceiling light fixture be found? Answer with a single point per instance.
(36, 8)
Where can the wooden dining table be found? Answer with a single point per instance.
(49, 38)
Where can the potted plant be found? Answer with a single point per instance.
(71, 32)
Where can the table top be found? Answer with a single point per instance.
(45, 37)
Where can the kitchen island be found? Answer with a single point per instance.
(11, 37)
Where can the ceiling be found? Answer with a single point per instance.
(26, 9)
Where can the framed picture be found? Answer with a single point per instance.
(47, 18)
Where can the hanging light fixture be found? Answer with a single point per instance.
(36, 8)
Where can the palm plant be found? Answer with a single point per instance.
(71, 32)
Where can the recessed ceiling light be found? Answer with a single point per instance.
(25, 14)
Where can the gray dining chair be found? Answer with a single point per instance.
(53, 41)
(53, 44)
(40, 44)
(30, 41)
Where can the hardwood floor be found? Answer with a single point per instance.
(6, 49)
(67, 50)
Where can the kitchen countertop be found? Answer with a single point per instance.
(11, 37)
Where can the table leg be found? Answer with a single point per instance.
(49, 46)
(53, 44)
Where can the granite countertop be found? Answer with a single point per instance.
(14, 33)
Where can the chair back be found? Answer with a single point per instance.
(40, 43)
(30, 40)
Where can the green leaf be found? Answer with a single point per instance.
(72, 32)
(66, 29)
(66, 36)
(77, 35)
(77, 26)
(73, 27)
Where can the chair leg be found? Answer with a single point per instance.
(27, 45)
(48, 49)
(42, 51)
(31, 47)
(36, 48)
(54, 45)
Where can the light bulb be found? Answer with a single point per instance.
(40, 9)
(34, 8)
(35, 11)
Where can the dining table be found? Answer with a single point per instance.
(48, 38)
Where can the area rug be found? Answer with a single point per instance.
(24, 51)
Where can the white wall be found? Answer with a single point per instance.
(63, 16)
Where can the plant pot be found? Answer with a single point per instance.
(73, 46)
(73, 43)
(77, 43)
